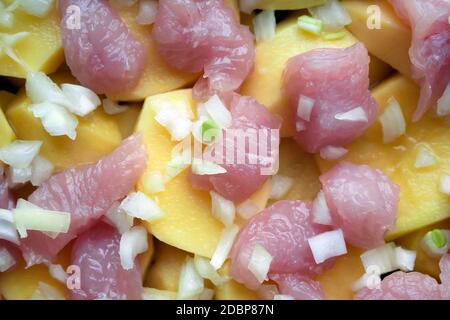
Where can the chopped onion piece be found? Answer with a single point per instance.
(156, 294)
(283, 297)
(445, 184)
(191, 284)
(177, 165)
(41, 170)
(6, 14)
(392, 121)
(224, 246)
(218, 112)
(383, 258)
(148, 9)
(203, 167)
(41, 89)
(367, 280)
(267, 291)
(425, 158)
(443, 104)
(57, 272)
(132, 243)
(40, 220)
(335, 35)
(247, 209)
(436, 242)
(206, 271)
(355, 115)
(404, 259)
(37, 8)
(327, 245)
(18, 175)
(82, 100)
(205, 130)
(6, 260)
(112, 108)
(207, 294)
(56, 120)
(320, 210)
(304, 108)
(153, 182)
(332, 153)
(47, 292)
(138, 205)
(118, 218)
(311, 25)
(280, 186)
(222, 209)
(7, 41)
(259, 263)
(7, 227)
(247, 6)
(333, 15)
(20, 153)
(264, 25)
(176, 123)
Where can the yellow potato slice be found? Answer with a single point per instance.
(390, 42)
(265, 81)
(97, 134)
(337, 282)
(6, 133)
(41, 51)
(421, 202)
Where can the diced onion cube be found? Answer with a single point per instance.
(259, 264)
(57, 272)
(56, 120)
(224, 246)
(334, 35)
(445, 184)
(176, 165)
(320, 210)
(41, 170)
(304, 108)
(280, 186)
(436, 242)
(8, 230)
(405, 259)
(333, 15)
(82, 101)
(425, 158)
(327, 245)
(176, 123)
(222, 209)
(6, 260)
(138, 205)
(310, 25)
(204, 167)
(45, 291)
(148, 9)
(190, 284)
(19, 176)
(41, 89)
(218, 112)
(118, 218)
(369, 280)
(41, 220)
(206, 271)
(20, 153)
(112, 108)
(332, 153)
(392, 121)
(264, 25)
(37, 8)
(132, 243)
(153, 182)
(443, 104)
(247, 209)
(355, 115)
(383, 258)
(156, 294)
(283, 297)
(205, 130)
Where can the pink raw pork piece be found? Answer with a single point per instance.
(204, 35)
(283, 230)
(102, 53)
(362, 202)
(298, 286)
(403, 286)
(87, 192)
(336, 81)
(251, 164)
(430, 49)
(444, 265)
(96, 252)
